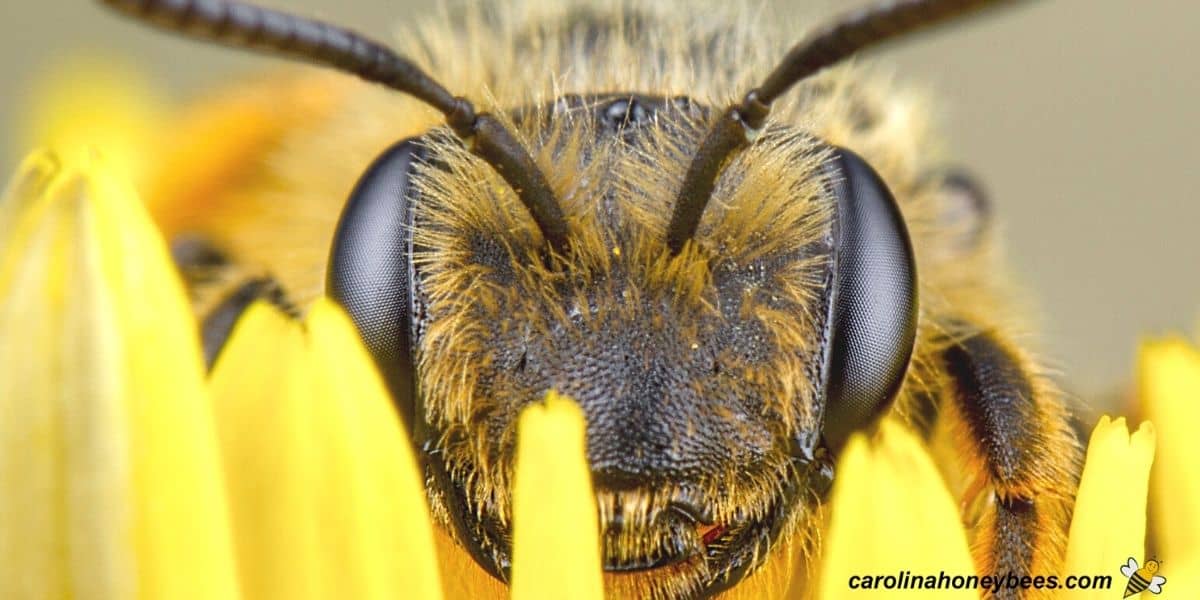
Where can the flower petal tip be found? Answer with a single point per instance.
(85, 102)
(556, 545)
(1115, 434)
(916, 529)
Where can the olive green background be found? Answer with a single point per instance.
(1079, 116)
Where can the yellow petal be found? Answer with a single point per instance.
(1109, 521)
(556, 543)
(891, 513)
(109, 481)
(95, 102)
(1169, 379)
(323, 486)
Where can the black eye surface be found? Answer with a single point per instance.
(874, 302)
(370, 266)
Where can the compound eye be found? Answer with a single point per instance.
(370, 266)
(874, 300)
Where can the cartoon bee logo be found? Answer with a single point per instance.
(1142, 579)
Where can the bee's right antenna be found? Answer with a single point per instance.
(824, 47)
(241, 25)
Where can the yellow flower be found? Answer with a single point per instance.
(124, 475)
(94, 101)
(1109, 520)
(891, 513)
(563, 557)
(324, 495)
(1169, 382)
(108, 465)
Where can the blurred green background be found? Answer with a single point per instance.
(1079, 116)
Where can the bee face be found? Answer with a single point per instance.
(728, 296)
(704, 375)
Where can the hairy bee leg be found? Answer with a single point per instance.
(218, 324)
(924, 413)
(1019, 436)
(221, 290)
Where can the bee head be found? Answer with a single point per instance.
(715, 379)
(726, 298)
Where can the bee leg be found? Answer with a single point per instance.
(217, 325)
(923, 414)
(1019, 441)
(221, 290)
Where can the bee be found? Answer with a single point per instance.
(1142, 579)
(728, 288)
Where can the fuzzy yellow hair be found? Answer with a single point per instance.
(279, 215)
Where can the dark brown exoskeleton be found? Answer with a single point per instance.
(727, 296)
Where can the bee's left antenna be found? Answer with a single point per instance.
(247, 26)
